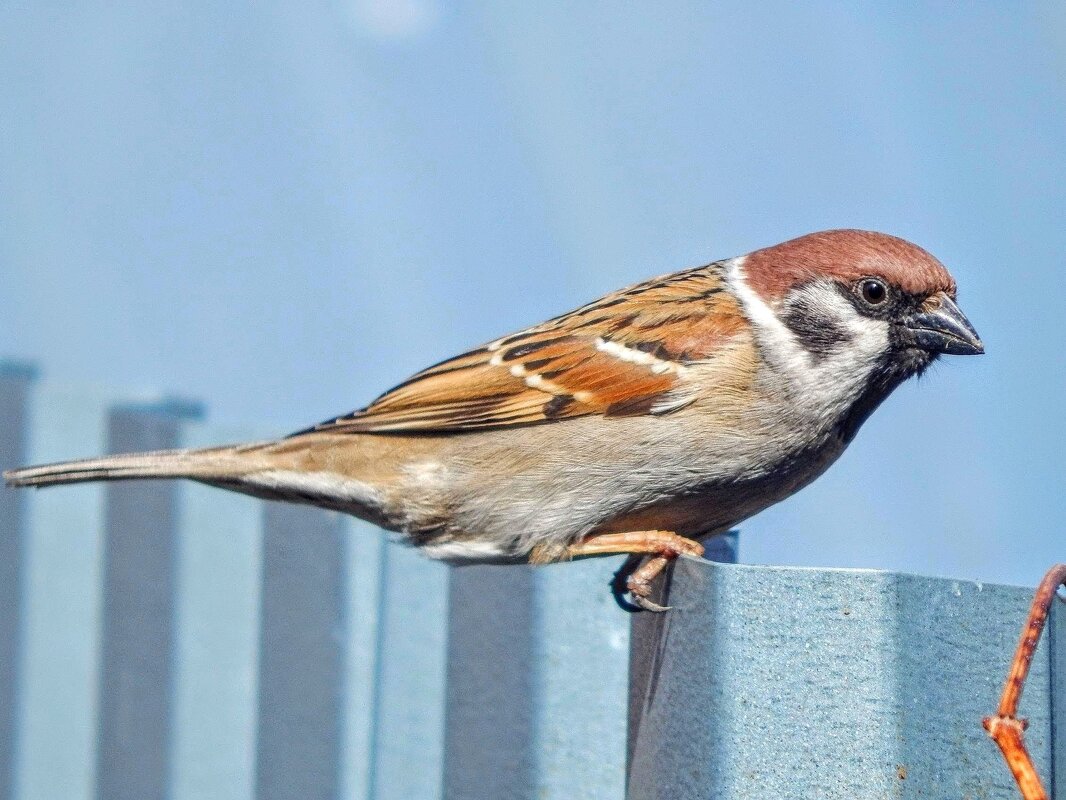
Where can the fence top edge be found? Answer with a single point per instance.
(785, 570)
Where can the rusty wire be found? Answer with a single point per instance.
(1005, 727)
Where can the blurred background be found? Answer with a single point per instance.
(283, 209)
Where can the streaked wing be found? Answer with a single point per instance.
(627, 353)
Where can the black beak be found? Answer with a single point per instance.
(945, 329)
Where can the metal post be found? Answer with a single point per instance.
(536, 683)
(407, 738)
(365, 548)
(771, 682)
(301, 666)
(16, 383)
(489, 741)
(59, 658)
(138, 612)
(645, 628)
(216, 636)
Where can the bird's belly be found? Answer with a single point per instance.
(493, 508)
(716, 507)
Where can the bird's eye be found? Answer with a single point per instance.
(873, 291)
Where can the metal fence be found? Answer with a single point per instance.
(162, 639)
(165, 640)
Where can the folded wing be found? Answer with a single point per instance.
(628, 353)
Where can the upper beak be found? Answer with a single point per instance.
(944, 329)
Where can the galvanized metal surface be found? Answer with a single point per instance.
(407, 743)
(15, 387)
(1056, 644)
(490, 744)
(135, 672)
(59, 651)
(221, 642)
(646, 627)
(537, 683)
(800, 683)
(301, 654)
(218, 587)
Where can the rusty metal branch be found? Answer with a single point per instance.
(1005, 728)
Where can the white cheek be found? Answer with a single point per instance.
(825, 385)
(869, 341)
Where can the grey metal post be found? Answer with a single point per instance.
(489, 738)
(365, 548)
(775, 682)
(138, 611)
(301, 663)
(59, 647)
(645, 628)
(16, 382)
(537, 665)
(216, 644)
(407, 731)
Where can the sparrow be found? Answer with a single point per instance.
(639, 423)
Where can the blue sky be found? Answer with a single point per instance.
(283, 209)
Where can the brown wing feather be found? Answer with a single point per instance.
(627, 353)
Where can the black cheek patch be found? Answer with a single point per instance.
(816, 332)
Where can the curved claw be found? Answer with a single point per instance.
(647, 604)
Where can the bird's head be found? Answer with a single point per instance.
(853, 308)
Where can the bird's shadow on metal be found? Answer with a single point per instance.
(649, 636)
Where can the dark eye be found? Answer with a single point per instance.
(873, 291)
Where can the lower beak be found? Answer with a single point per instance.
(944, 330)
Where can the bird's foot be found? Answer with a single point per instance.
(639, 581)
(663, 546)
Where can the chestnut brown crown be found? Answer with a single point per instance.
(846, 255)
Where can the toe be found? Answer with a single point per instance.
(693, 548)
(648, 605)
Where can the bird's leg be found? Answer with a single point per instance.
(663, 546)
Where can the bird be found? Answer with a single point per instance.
(640, 423)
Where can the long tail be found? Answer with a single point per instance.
(218, 463)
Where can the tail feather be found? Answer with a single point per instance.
(216, 462)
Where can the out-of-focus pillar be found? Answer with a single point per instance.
(216, 638)
(407, 737)
(301, 654)
(16, 385)
(59, 646)
(537, 666)
(136, 665)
